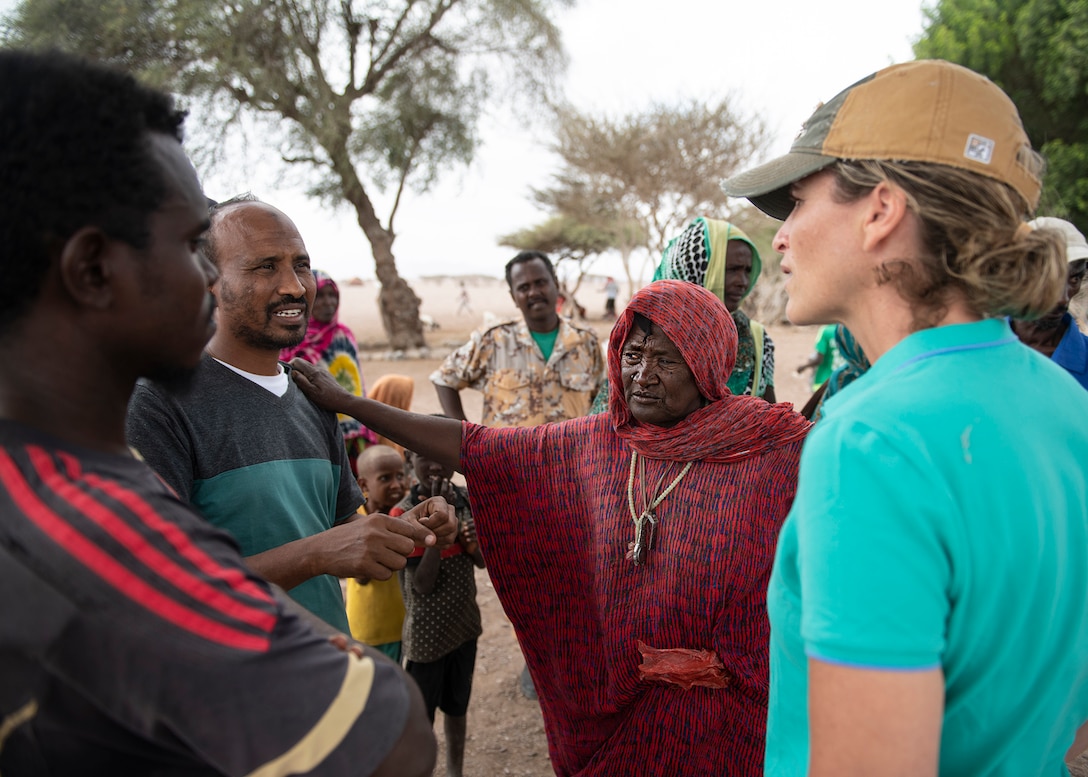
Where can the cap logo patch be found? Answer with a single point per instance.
(979, 149)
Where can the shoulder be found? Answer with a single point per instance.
(298, 402)
(209, 377)
(579, 329)
(344, 331)
(147, 393)
(754, 325)
(502, 327)
(491, 334)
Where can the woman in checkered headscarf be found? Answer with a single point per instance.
(720, 257)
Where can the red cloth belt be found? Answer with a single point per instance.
(456, 549)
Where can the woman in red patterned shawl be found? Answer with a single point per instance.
(631, 551)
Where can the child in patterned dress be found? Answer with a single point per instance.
(442, 620)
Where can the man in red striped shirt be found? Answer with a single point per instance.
(133, 639)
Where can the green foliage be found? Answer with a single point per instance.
(658, 168)
(565, 237)
(641, 177)
(389, 91)
(1037, 51)
(381, 94)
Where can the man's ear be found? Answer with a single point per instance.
(86, 271)
(886, 209)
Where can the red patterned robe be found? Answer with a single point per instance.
(552, 515)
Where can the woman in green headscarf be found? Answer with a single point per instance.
(719, 256)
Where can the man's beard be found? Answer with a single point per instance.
(260, 339)
(266, 341)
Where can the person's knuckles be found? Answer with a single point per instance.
(405, 535)
(379, 571)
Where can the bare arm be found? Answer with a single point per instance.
(1080, 744)
(436, 438)
(468, 541)
(811, 363)
(450, 399)
(372, 546)
(427, 571)
(873, 722)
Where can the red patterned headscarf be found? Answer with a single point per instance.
(728, 428)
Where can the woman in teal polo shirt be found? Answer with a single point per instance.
(929, 602)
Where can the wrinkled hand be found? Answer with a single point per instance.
(375, 546)
(437, 515)
(319, 385)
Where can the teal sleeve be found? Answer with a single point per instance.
(874, 559)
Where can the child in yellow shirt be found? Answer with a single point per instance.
(375, 607)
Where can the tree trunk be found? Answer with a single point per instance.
(398, 304)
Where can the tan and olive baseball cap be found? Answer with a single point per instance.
(922, 111)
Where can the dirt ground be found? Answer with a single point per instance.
(505, 730)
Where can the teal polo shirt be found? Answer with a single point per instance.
(941, 520)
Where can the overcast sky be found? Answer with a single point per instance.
(780, 57)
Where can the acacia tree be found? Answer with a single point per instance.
(657, 168)
(380, 95)
(575, 242)
(1037, 51)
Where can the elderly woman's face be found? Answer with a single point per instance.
(657, 383)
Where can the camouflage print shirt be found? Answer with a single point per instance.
(506, 365)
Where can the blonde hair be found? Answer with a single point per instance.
(975, 244)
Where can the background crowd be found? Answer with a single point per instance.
(702, 581)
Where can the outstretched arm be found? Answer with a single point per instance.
(373, 546)
(811, 363)
(436, 438)
(450, 399)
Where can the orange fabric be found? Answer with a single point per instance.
(395, 391)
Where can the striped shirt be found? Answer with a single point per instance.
(135, 641)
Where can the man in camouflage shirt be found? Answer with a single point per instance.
(532, 370)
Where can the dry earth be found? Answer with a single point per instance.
(505, 730)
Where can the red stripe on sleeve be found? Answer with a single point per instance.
(110, 570)
(155, 560)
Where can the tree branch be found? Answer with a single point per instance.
(406, 169)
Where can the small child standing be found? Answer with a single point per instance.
(375, 607)
(442, 620)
